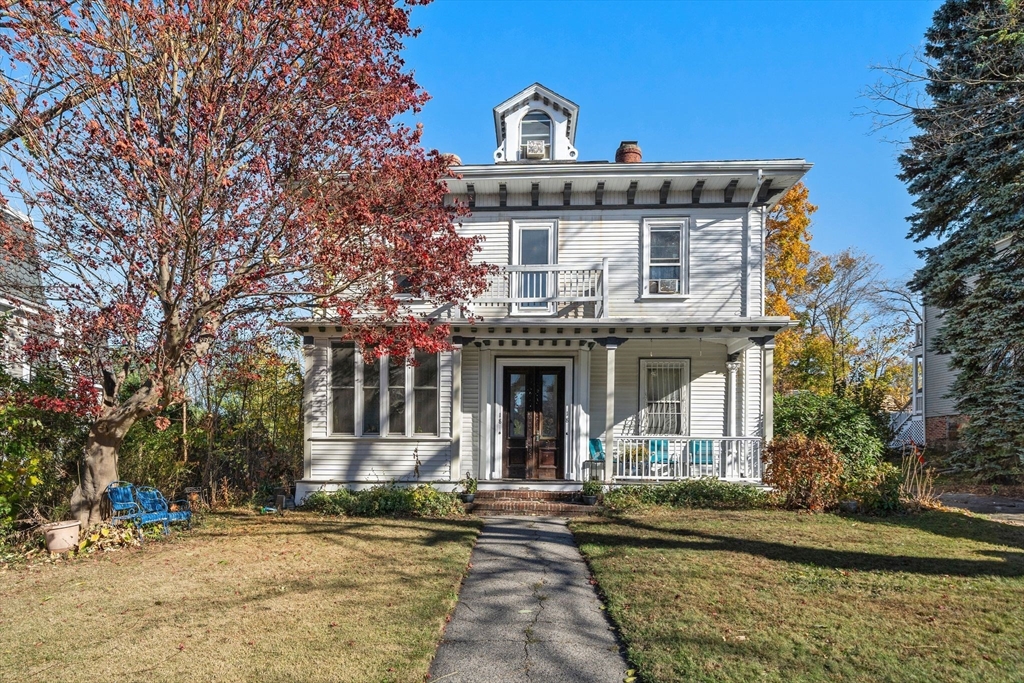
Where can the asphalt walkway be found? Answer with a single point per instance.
(527, 612)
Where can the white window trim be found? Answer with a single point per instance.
(383, 402)
(645, 257)
(641, 413)
(551, 224)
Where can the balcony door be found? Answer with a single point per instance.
(534, 416)
(533, 247)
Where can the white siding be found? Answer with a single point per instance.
(938, 376)
(379, 461)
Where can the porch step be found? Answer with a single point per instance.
(528, 502)
(508, 506)
(526, 494)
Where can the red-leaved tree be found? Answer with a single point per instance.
(234, 161)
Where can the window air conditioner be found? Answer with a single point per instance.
(668, 286)
(535, 149)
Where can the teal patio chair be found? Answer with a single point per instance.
(660, 458)
(702, 452)
(596, 462)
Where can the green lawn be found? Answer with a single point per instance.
(702, 595)
(244, 598)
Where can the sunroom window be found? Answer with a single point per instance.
(381, 397)
(535, 136)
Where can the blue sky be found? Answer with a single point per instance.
(691, 81)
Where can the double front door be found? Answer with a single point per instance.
(534, 429)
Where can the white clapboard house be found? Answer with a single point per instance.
(624, 337)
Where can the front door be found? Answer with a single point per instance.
(534, 446)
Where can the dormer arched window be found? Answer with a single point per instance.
(535, 136)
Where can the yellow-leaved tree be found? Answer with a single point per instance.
(787, 265)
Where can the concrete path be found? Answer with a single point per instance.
(997, 508)
(527, 612)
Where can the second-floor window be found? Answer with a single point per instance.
(385, 396)
(665, 255)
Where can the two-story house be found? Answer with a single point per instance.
(624, 336)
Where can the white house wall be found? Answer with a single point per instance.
(938, 376)
(716, 258)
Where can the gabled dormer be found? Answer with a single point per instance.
(536, 124)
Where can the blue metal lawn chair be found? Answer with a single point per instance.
(155, 508)
(121, 495)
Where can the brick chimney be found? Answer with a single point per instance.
(628, 153)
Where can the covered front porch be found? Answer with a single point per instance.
(548, 403)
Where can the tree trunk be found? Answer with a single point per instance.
(101, 449)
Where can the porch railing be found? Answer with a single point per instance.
(682, 457)
(554, 289)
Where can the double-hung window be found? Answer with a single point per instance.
(664, 396)
(665, 256)
(382, 397)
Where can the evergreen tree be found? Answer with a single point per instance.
(965, 165)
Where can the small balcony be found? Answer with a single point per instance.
(660, 458)
(562, 291)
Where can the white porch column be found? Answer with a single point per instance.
(768, 387)
(456, 428)
(732, 370)
(609, 409)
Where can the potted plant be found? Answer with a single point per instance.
(61, 536)
(468, 488)
(592, 488)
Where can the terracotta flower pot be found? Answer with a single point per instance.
(61, 536)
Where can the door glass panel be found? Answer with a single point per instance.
(548, 406)
(517, 407)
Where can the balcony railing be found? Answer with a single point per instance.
(554, 289)
(682, 457)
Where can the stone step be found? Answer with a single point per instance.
(508, 506)
(523, 494)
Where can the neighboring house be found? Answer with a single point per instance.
(932, 381)
(21, 298)
(627, 319)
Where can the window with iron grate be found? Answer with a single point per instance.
(664, 397)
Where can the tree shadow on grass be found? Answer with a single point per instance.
(954, 525)
(624, 534)
(438, 531)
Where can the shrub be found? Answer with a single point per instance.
(881, 493)
(706, 492)
(386, 500)
(592, 487)
(807, 472)
(844, 424)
